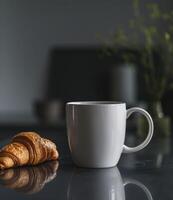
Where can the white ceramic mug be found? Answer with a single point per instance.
(96, 132)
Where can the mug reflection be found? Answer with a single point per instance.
(29, 180)
(101, 184)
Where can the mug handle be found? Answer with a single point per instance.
(140, 185)
(127, 149)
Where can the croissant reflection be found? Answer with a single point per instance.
(29, 180)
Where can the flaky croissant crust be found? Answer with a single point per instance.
(27, 148)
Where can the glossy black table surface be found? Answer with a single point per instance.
(145, 175)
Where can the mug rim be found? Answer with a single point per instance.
(95, 103)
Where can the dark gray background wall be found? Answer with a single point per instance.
(30, 28)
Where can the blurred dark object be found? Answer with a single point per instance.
(76, 74)
(49, 112)
(81, 73)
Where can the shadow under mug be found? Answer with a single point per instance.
(101, 184)
(96, 132)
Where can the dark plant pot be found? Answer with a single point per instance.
(162, 123)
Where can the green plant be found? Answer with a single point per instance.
(156, 41)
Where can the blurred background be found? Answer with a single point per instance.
(56, 51)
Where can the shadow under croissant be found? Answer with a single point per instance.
(31, 179)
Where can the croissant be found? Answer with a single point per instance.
(27, 148)
(29, 180)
